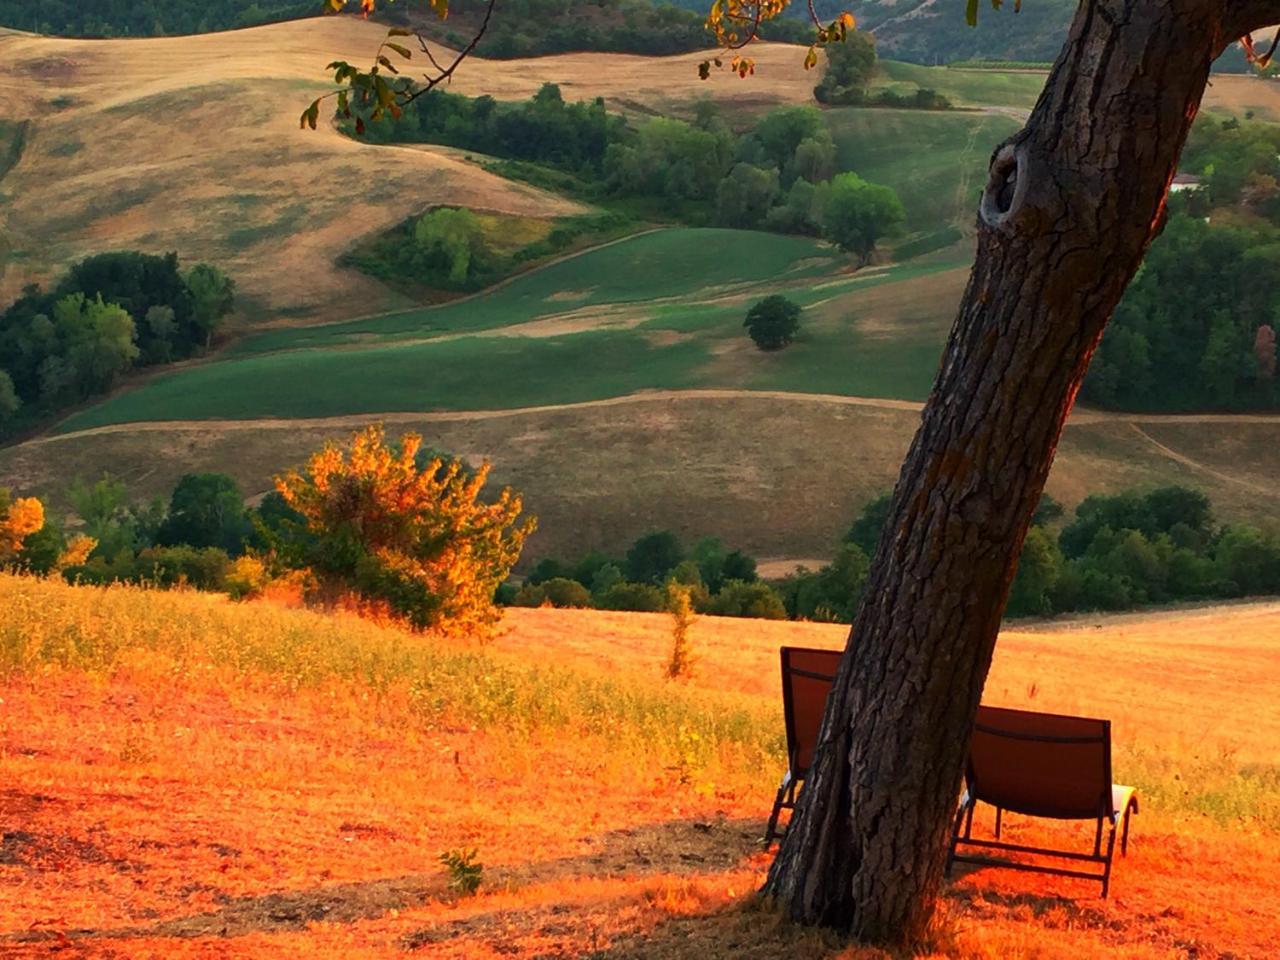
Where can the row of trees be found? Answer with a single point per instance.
(398, 528)
(1196, 328)
(1129, 550)
(715, 580)
(145, 18)
(782, 174)
(529, 28)
(110, 313)
(846, 79)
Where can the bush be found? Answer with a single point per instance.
(739, 599)
(246, 577)
(412, 536)
(772, 323)
(642, 597)
(563, 592)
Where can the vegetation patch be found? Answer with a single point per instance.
(424, 262)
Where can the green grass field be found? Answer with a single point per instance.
(874, 333)
(964, 87)
(665, 264)
(934, 160)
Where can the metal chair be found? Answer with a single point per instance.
(807, 676)
(1043, 765)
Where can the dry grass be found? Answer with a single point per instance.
(701, 463)
(188, 778)
(192, 143)
(214, 165)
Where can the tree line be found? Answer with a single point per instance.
(393, 530)
(1196, 329)
(1115, 552)
(781, 174)
(145, 18)
(109, 314)
(534, 28)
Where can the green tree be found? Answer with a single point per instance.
(848, 70)
(744, 197)
(102, 507)
(653, 556)
(206, 510)
(866, 530)
(212, 298)
(451, 242)
(772, 323)
(856, 214)
(98, 340)
(1039, 567)
(10, 402)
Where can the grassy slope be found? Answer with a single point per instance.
(597, 477)
(262, 772)
(935, 160)
(603, 349)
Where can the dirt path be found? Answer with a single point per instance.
(1196, 465)
(647, 396)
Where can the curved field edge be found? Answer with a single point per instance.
(875, 333)
(701, 463)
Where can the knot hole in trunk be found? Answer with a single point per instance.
(1006, 187)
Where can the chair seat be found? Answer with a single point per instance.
(1122, 797)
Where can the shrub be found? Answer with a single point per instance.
(246, 577)
(772, 323)
(563, 592)
(642, 597)
(680, 604)
(415, 537)
(739, 599)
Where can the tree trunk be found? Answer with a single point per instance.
(1072, 203)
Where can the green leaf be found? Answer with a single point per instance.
(403, 51)
(399, 32)
(971, 13)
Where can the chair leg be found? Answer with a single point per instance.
(998, 813)
(967, 808)
(1111, 846)
(771, 831)
(1124, 836)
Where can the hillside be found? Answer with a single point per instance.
(190, 777)
(654, 314)
(68, 195)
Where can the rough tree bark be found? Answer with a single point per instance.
(1072, 203)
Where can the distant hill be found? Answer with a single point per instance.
(146, 18)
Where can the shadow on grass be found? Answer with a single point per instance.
(682, 848)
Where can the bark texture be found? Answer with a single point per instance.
(1072, 203)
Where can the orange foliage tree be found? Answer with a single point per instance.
(406, 532)
(18, 520)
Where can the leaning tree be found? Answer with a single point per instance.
(1070, 206)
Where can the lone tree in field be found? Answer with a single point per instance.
(1071, 203)
(772, 323)
(412, 536)
(856, 214)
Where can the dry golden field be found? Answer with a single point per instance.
(700, 462)
(181, 776)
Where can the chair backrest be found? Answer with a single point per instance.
(807, 676)
(1041, 764)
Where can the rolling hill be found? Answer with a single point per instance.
(616, 386)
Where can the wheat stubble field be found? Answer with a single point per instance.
(186, 777)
